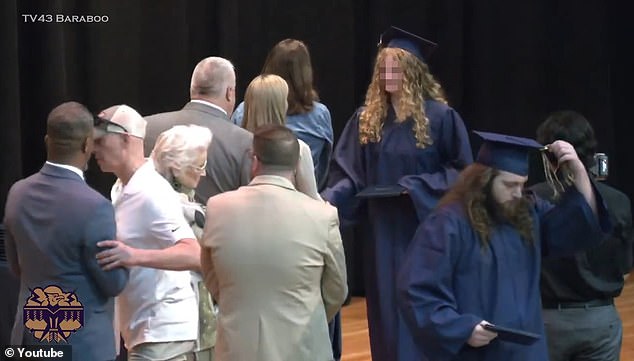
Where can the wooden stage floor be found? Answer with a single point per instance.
(356, 346)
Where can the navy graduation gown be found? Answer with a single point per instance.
(449, 283)
(426, 174)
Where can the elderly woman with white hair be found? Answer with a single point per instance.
(180, 156)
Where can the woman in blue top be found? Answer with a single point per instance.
(306, 117)
(402, 150)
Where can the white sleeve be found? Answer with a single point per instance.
(305, 177)
(169, 224)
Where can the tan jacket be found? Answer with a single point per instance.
(273, 260)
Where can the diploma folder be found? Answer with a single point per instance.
(513, 335)
(382, 191)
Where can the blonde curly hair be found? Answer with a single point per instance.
(418, 85)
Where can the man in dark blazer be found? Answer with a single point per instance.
(212, 93)
(53, 222)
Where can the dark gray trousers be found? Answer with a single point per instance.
(583, 334)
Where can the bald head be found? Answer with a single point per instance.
(211, 77)
(68, 132)
(214, 80)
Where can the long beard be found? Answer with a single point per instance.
(517, 213)
(512, 209)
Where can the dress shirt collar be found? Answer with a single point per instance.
(69, 167)
(209, 105)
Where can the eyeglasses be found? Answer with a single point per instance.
(200, 170)
(107, 125)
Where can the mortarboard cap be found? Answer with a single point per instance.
(120, 119)
(398, 38)
(506, 152)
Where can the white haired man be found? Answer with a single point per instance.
(212, 94)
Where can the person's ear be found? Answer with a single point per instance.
(46, 140)
(89, 144)
(84, 145)
(228, 94)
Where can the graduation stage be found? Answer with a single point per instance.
(356, 346)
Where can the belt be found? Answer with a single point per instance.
(588, 304)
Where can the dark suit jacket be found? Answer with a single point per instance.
(228, 160)
(53, 222)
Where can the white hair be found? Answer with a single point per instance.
(211, 77)
(179, 147)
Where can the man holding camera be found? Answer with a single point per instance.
(580, 319)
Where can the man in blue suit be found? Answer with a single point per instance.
(53, 222)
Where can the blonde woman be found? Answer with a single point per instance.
(403, 149)
(265, 102)
(180, 156)
(306, 116)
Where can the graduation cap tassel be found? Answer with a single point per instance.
(551, 176)
(550, 171)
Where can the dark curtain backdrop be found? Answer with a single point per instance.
(504, 64)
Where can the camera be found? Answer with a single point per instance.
(600, 167)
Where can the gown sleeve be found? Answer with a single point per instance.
(324, 156)
(426, 290)
(347, 173)
(426, 189)
(571, 225)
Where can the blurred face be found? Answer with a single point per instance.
(191, 173)
(507, 188)
(391, 74)
(109, 151)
